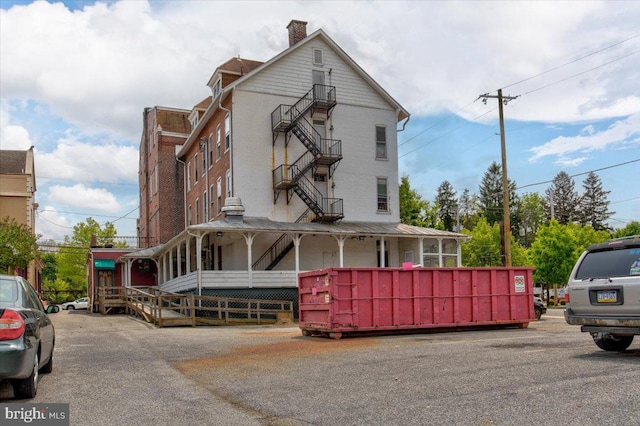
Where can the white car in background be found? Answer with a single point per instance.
(82, 303)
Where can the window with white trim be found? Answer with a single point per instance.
(381, 142)
(218, 141)
(189, 176)
(211, 147)
(205, 206)
(195, 168)
(383, 194)
(189, 212)
(197, 212)
(318, 57)
(219, 193)
(212, 197)
(204, 157)
(228, 183)
(227, 132)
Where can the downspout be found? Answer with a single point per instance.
(404, 125)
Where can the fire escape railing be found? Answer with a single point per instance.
(278, 249)
(320, 151)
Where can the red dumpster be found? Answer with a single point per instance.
(341, 300)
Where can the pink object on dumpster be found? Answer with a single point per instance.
(341, 300)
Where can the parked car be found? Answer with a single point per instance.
(538, 307)
(27, 336)
(82, 303)
(604, 293)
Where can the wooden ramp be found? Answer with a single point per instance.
(167, 309)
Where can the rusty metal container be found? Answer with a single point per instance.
(342, 300)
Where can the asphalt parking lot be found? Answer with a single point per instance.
(115, 370)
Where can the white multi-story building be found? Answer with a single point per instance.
(292, 165)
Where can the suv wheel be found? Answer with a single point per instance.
(612, 343)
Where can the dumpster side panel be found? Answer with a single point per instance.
(350, 299)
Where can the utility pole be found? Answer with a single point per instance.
(506, 220)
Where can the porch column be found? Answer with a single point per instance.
(179, 259)
(340, 239)
(297, 238)
(157, 269)
(199, 263)
(128, 273)
(171, 264)
(440, 252)
(248, 237)
(187, 245)
(421, 251)
(382, 264)
(459, 253)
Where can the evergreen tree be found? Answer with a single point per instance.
(467, 209)
(562, 199)
(531, 216)
(492, 195)
(447, 205)
(594, 206)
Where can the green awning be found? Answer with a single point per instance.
(105, 264)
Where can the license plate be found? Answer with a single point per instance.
(608, 296)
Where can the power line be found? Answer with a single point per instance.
(571, 62)
(90, 214)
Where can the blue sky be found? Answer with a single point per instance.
(75, 77)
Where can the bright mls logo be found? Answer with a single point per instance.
(35, 414)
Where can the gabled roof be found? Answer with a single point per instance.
(236, 66)
(13, 162)
(402, 113)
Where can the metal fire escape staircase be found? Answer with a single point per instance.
(289, 119)
(320, 151)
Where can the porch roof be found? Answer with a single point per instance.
(262, 224)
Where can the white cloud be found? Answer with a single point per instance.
(84, 198)
(51, 225)
(12, 137)
(620, 134)
(73, 160)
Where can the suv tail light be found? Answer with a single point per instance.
(566, 297)
(11, 325)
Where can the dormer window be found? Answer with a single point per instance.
(217, 87)
(194, 121)
(317, 57)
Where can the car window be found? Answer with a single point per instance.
(33, 300)
(610, 263)
(8, 291)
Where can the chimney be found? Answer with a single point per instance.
(297, 31)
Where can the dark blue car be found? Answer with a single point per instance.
(27, 337)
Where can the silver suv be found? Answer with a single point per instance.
(604, 293)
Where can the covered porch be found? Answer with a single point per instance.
(258, 253)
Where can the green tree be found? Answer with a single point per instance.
(531, 216)
(594, 206)
(413, 209)
(553, 253)
(447, 204)
(632, 228)
(492, 196)
(72, 259)
(483, 249)
(18, 245)
(562, 199)
(468, 209)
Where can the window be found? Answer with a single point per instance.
(212, 197)
(211, 145)
(195, 168)
(189, 222)
(381, 142)
(383, 197)
(228, 183)
(197, 211)
(219, 193)
(317, 57)
(204, 157)
(155, 178)
(216, 89)
(205, 206)
(188, 176)
(227, 132)
(431, 252)
(218, 152)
